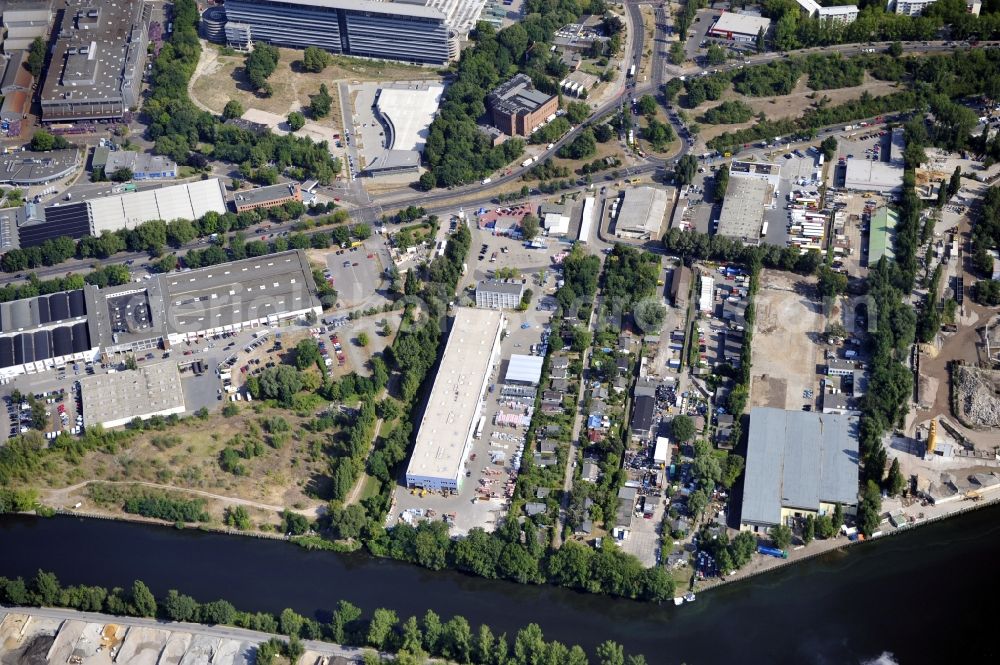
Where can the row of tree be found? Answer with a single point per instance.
(414, 639)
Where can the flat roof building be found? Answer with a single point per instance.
(144, 166)
(524, 369)
(742, 213)
(837, 13)
(24, 23)
(97, 61)
(909, 7)
(643, 414)
(517, 108)
(739, 27)
(499, 294)
(411, 32)
(267, 197)
(46, 331)
(126, 211)
(16, 76)
(867, 175)
(799, 463)
(642, 213)
(37, 168)
(456, 400)
(112, 400)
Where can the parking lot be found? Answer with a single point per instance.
(357, 273)
(490, 468)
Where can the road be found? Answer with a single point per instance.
(221, 632)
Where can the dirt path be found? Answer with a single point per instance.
(61, 498)
(207, 63)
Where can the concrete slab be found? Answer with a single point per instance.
(142, 646)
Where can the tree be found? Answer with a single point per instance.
(529, 226)
(581, 339)
(233, 109)
(955, 183)
(43, 141)
(46, 588)
(380, 629)
(611, 653)
(760, 43)
(676, 54)
(895, 49)
(36, 57)
(296, 120)
(280, 383)
(682, 427)
(687, 167)
(237, 517)
(363, 339)
(647, 105)
(697, 501)
(808, 529)
(895, 482)
(261, 63)
(143, 603)
(290, 622)
(320, 103)
(218, 612)
(315, 59)
(123, 174)
(781, 536)
(838, 516)
(306, 353)
(179, 607)
(716, 54)
(829, 148)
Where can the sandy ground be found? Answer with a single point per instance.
(219, 78)
(786, 354)
(787, 106)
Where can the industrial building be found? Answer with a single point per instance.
(499, 293)
(799, 463)
(112, 400)
(267, 197)
(46, 331)
(680, 286)
(752, 188)
(37, 168)
(97, 61)
(405, 112)
(523, 369)
(836, 14)
(578, 83)
(739, 27)
(456, 400)
(144, 166)
(16, 75)
(641, 213)
(410, 32)
(882, 238)
(518, 109)
(643, 417)
(872, 175)
(24, 23)
(127, 211)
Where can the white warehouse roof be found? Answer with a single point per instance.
(524, 369)
(741, 24)
(188, 201)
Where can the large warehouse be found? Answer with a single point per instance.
(739, 27)
(753, 186)
(641, 213)
(456, 401)
(112, 400)
(405, 31)
(46, 331)
(799, 463)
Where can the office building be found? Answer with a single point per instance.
(799, 463)
(910, 7)
(143, 166)
(37, 168)
(97, 61)
(456, 401)
(499, 293)
(642, 213)
(364, 28)
(267, 197)
(518, 109)
(742, 28)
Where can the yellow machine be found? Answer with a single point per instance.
(932, 438)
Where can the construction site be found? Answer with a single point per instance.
(976, 394)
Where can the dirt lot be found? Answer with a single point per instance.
(219, 78)
(787, 106)
(786, 354)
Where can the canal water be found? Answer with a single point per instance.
(926, 596)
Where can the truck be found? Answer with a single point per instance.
(487, 181)
(772, 551)
(528, 161)
(631, 71)
(848, 128)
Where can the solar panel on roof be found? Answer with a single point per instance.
(43, 345)
(77, 305)
(62, 341)
(44, 313)
(18, 350)
(81, 338)
(6, 351)
(27, 347)
(69, 220)
(59, 305)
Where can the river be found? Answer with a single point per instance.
(924, 596)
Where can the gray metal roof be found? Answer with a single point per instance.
(524, 369)
(396, 8)
(501, 286)
(267, 194)
(798, 459)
